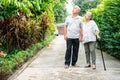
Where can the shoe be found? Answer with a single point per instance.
(66, 66)
(93, 67)
(87, 66)
(75, 65)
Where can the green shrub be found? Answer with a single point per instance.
(15, 61)
(25, 22)
(86, 4)
(107, 17)
(25, 26)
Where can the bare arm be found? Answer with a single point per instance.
(65, 32)
(81, 34)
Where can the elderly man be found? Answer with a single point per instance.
(72, 35)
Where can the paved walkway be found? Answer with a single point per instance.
(49, 65)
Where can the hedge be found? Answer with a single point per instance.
(25, 25)
(108, 19)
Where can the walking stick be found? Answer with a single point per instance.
(102, 55)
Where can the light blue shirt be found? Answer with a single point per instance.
(73, 26)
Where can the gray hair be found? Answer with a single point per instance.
(90, 14)
(76, 7)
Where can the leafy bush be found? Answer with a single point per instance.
(60, 11)
(25, 26)
(9, 64)
(86, 4)
(25, 22)
(107, 17)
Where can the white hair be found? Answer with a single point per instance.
(89, 13)
(76, 7)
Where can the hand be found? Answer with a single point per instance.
(65, 37)
(80, 39)
(98, 37)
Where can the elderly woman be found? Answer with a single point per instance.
(90, 31)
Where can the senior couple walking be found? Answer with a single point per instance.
(76, 31)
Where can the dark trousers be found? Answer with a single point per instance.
(72, 48)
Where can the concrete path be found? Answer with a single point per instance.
(49, 65)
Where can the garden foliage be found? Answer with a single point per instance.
(86, 4)
(108, 19)
(60, 11)
(24, 22)
(25, 26)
